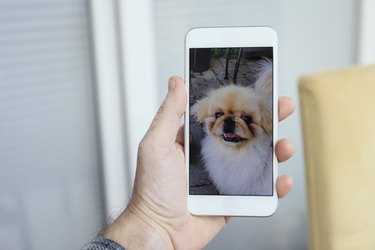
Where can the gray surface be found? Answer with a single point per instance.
(200, 182)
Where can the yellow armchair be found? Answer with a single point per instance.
(338, 124)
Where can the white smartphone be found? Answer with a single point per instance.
(231, 120)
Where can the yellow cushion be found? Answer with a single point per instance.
(338, 123)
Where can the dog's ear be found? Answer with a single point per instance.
(200, 109)
(264, 76)
(266, 115)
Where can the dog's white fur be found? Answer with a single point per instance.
(264, 76)
(246, 170)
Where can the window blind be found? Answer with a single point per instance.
(50, 189)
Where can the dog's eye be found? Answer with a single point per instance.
(246, 118)
(218, 114)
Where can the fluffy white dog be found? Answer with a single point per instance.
(237, 148)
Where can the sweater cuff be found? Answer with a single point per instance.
(100, 243)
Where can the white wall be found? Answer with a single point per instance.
(366, 44)
(313, 36)
(122, 34)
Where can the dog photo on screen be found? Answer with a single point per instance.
(231, 108)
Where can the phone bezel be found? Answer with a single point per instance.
(223, 37)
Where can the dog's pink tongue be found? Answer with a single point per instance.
(230, 135)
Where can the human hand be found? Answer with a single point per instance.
(157, 216)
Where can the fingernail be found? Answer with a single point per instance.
(171, 84)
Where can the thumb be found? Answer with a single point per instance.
(166, 122)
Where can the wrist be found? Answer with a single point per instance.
(133, 229)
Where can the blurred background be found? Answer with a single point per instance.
(81, 80)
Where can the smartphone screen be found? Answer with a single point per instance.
(231, 121)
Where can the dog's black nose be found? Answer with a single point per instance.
(229, 125)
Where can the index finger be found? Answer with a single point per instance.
(286, 107)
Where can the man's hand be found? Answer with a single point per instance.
(157, 215)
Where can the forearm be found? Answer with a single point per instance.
(135, 230)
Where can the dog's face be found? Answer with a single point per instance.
(235, 116)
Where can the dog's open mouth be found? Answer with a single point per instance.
(231, 137)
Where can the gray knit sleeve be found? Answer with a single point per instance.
(101, 243)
